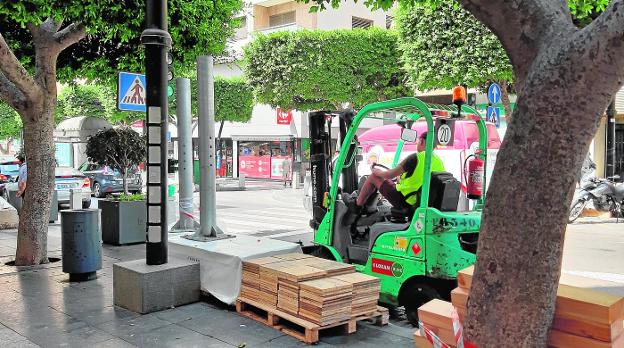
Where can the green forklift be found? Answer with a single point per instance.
(417, 252)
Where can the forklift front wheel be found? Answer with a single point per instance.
(416, 295)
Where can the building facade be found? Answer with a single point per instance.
(259, 148)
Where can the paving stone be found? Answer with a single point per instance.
(230, 327)
(285, 341)
(175, 336)
(83, 336)
(183, 313)
(407, 331)
(20, 344)
(365, 337)
(128, 327)
(9, 336)
(113, 343)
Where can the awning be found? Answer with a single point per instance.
(262, 137)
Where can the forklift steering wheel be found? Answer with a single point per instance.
(379, 165)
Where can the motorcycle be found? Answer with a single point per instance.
(605, 194)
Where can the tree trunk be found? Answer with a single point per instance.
(505, 100)
(564, 77)
(512, 299)
(39, 149)
(124, 176)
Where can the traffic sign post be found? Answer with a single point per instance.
(494, 93)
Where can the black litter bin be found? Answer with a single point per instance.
(81, 243)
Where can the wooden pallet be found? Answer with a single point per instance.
(298, 328)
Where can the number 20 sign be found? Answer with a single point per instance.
(445, 132)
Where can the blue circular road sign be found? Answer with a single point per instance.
(494, 93)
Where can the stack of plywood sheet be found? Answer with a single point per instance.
(269, 282)
(289, 278)
(294, 257)
(251, 277)
(331, 267)
(314, 289)
(584, 318)
(325, 301)
(365, 292)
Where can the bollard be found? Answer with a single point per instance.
(241, 180)
(75, 199)
(295, 182)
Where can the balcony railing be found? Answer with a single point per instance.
(285, 27)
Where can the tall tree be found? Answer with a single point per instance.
(95, 100)
(233, 101)
(44, 41)
(565, 77)
(446, 46)
(317, 69)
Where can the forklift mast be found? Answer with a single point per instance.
(321, 157)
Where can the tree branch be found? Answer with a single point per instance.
(523, 26)
(13, 70)
(11, 94)
(70, 35)
(599, 48)
(51, 26)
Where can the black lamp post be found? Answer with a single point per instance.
(157, 42)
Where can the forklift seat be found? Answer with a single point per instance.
(443, 195)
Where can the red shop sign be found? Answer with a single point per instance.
(255, 166)
(283, 116)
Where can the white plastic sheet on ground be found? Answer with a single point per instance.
(220, 261)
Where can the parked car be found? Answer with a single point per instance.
(105, 180)
(67, 178)
(9, 171)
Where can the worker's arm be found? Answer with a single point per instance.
(21, 187)
(391, 173)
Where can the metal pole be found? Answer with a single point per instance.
(206, 132)
(156, 41)
(185, 155)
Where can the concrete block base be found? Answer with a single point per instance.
(8, 218)
(144, 289)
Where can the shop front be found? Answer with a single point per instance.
(265, 157)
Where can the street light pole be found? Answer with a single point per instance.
(157, 42)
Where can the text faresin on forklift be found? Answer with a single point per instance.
(415, 250)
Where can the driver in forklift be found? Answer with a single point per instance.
(406, 192)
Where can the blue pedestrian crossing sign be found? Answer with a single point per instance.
(493, 115)
(494, 93)
(131, 92)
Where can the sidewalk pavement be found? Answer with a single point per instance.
(39, 307)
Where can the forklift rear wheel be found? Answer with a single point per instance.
(323, 253)
(417, 294)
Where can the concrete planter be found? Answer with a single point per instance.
(123, 222)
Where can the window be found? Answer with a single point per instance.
(282, 19)
(357, 22)
(241, 32)
(389, 21)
